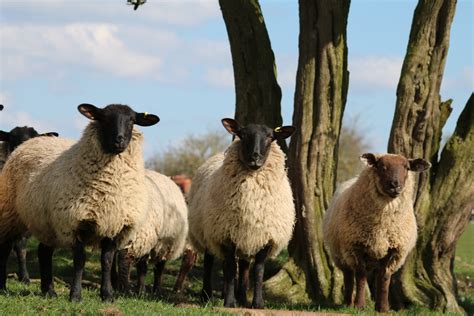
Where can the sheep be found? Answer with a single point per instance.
(241, 205)
(371, 224)
(161, 236)
(73, 194)
(11, 140)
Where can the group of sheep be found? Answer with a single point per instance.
(97, 192)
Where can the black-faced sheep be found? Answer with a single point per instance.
(370, 224)
(73, 194)
(241, 205)
(11, 140)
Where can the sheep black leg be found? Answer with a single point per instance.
(20, 249)
(230, 270)
(5, 249)
(123, 262)
(79, 261)
(142, 266)
(348, 286)
(206, 293)
(258, 270)
(244, 267)
(107, 256)
(361, 280)
(45, 258)
(189, 259)
(114, 273)
(158, 273)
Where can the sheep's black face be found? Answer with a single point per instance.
(19, 135)
(392, 171)
(256, 140)
(116, 124)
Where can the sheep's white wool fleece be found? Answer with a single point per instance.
(228, 203)
(360, 216)
(58, 184)
(165, 228)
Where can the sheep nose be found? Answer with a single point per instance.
(395, 184)
(120, 140)
(256, 156)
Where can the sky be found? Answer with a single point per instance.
(172, 58)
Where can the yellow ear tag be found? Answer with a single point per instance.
(277, 129)
(145, 114)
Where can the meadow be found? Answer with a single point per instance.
(21, 299)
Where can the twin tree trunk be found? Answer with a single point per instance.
(444, 198)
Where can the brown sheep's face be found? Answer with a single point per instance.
(255, 141)
(392, 171)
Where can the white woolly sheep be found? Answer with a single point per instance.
(76, 194)
(161, 236)
(370, 224)
(241, 205)
(8, 142)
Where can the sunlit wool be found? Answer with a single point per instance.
(54, 185)
(228, 203)
(165, 227)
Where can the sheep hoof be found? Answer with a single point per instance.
(107, 297)
(257, 305)
(75, 297)
(230, 303)
(25, 280)
(204, 297)
(51, 293)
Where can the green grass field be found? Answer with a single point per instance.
(27, 300)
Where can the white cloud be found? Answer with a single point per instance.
(374, 72)
(46, 49)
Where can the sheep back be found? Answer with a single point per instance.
(165, 227)
(228, 203)
(361, 218)
(80, 188)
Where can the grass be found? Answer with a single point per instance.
(20, 299)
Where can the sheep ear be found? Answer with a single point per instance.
(49, 134)
(145, 119)
(231, 126)
(1, 107)
(283, 132)
(369, 159)
(90, 111)
(4, 136)
(419, 165)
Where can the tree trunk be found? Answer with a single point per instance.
(320, 97)
(444, 196)
(258, 95)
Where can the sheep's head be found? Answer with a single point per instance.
(19, 135)
(392, 171)
(255, 140)
(115, 123)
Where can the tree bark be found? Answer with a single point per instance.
(444, 196)
(258, 95)
(320, 97)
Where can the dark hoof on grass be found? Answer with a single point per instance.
(204, 297)
(108, 298)
(230, 304)
(50, 293)
(25, 281)
(257, 305)
(75, 298)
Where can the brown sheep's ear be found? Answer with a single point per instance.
(90, 111)
(49, 134)
(145, 119)
(231, 126)
(419, 165)
(4, 136)
(369, 159)
(283, 132)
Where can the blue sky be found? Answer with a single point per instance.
(172, 58)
